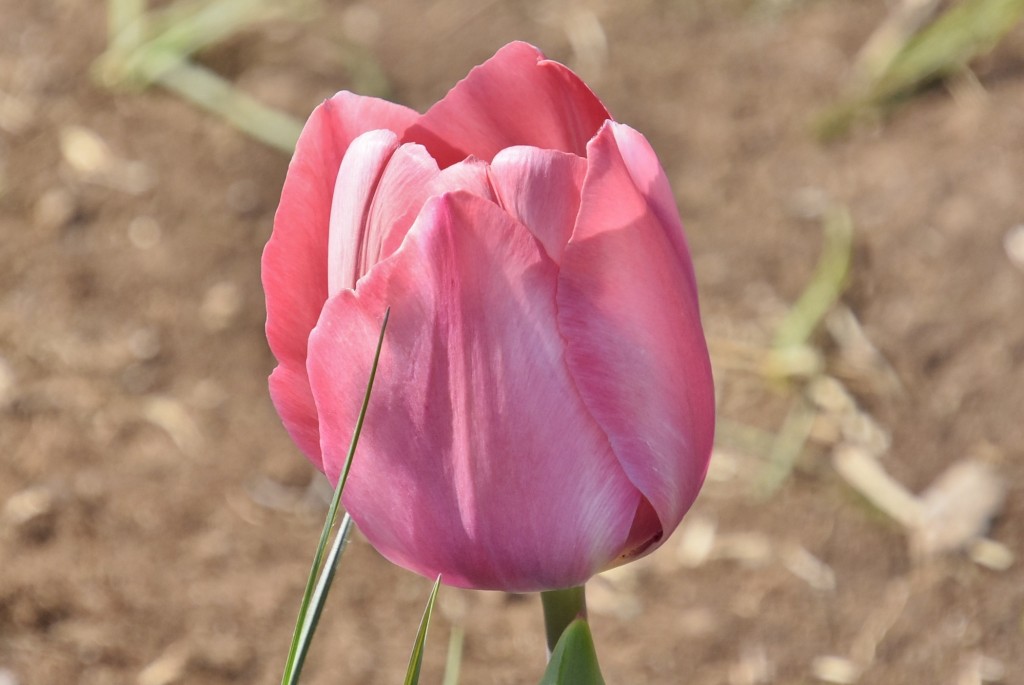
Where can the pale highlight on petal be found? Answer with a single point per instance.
(351, 239)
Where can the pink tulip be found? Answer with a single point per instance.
(544, 407)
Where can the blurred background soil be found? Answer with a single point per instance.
(157, 525)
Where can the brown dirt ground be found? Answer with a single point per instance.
(170, 538)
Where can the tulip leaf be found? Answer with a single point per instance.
(574, 659)
(412, 675)
(319, 581)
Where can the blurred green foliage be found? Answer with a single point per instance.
(941, 48)
(148, 47)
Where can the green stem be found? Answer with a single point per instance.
(562, 607)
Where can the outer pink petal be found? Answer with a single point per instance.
(644, 168)
(541, 189)
(515, 98)
(290, 393)
(477, 460)
(295, 259)
(628, 310)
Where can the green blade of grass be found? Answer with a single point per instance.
(786, 449)
(176, 33)
(965, 31)
(453, 661)
(905, 19)
(412, 675)
(319, 596)
(317, 584)
(209, 21)
(825, 286)
(154, 47)
(125, 23)
(206, 89)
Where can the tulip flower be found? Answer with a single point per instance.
(544, 407)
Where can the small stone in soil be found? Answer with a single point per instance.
(31, 513)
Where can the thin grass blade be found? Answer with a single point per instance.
(412, 676)
(787, 448)
(962, 33)
(216, 94)
(965, 31)
(125, 22)
(453, 662)
(313, 596)
(176, 32)
(323, 586)
(825, 286)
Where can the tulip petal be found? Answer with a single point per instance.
(470, 175)
(294, 261)
(515, 98)
(541, 189)
(628, 311)
(478, 460)
(351, 239)
(290, 393)
(407, 182)
(649, 178)
(411, 177)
